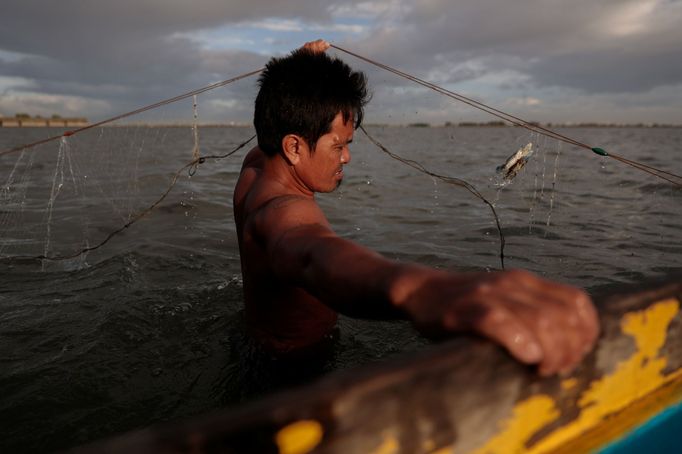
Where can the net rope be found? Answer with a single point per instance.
(64, 158)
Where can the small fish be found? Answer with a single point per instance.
(515, 162)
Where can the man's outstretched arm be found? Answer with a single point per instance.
(537, 321)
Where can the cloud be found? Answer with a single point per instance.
(60, 28)
(384, 11)
(290, 25)
(9, 83)
(133, 52)
(129, 53)
(525, 101)
(46, 105)
(632, 18)
(552, 44)
(278, 25)
(143, 73)
(617, 71)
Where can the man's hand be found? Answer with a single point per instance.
(319, 45)
(537, 321)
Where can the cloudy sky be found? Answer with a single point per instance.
(544, 60)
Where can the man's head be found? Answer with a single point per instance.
(302, 94)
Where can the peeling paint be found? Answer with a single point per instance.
(390, 445)
(300, 437)
(569, 383)
(633, 379)
(528, 417)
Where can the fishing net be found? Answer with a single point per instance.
(64, 200)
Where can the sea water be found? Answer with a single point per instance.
(148, 327)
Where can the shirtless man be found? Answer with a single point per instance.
(298, 274)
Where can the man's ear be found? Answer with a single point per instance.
(293, 146)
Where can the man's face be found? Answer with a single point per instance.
(323, 169)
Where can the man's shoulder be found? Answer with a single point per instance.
(289, 209)
(248, 175)
(284, 214)
(266, 208)
(254, 159)
(280, 202)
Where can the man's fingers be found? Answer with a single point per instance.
(559, 350)
(536, 328)
(575, 299)
(588, 314)
(537, 321)
(319, 45)
(577, 320)
(563, 318)
(507, 330)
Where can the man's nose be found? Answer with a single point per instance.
(345, 156)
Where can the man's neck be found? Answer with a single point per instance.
(279, 172)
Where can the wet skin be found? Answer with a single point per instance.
(298, 274)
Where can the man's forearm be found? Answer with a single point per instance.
(350, 278)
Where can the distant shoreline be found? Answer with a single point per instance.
(25, 121)
(413, 125)
(79, 123)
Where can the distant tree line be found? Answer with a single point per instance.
(25, 116)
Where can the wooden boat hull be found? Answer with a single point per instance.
(462, 396)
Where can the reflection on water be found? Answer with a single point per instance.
(148, 328)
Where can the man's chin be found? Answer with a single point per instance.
(332, 189)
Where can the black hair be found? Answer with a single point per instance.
(301, 94)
